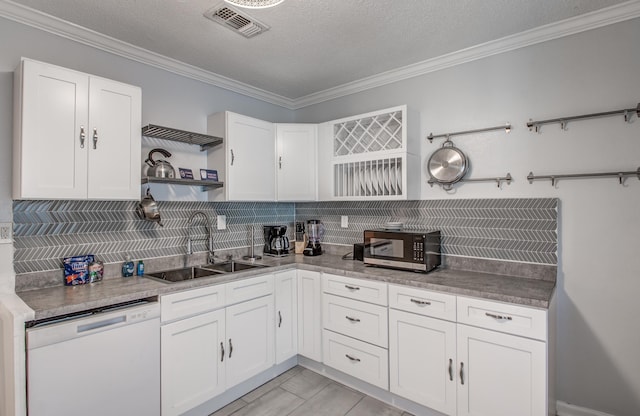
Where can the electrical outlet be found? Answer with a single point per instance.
(222, 222)
(5, 232)
(344, 221)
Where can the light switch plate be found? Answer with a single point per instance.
(5, 233)
(344, 221)
(221, 221)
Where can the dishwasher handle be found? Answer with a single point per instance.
(101, 324)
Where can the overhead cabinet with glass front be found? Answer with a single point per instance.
(76, 136)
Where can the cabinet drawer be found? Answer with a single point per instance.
(356, 358)
(511, 319)
(191, 302)
(360, 289)
(245, 289)
(423, 302)
(356, 319)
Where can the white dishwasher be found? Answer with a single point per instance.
(100, 363)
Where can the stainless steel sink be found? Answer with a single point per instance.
(232, 266)
(187, 273)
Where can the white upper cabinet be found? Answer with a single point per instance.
(296, 161)
(368, 157)
(76, 136)
(247, 164)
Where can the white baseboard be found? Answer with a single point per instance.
(566, 409)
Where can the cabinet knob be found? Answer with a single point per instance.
(280, 162)
(450, 369)
(498, 317)
(230, 348)
(420, 302)
(461, 372)
(279, 319)
(95, 138)
(352, 319)
(232, 157)
(222, 355)
(352, 287)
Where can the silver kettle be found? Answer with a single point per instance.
(160, 168)
(147, 209)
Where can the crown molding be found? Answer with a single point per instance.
(77, 33)
(607, 16)
(593, 20)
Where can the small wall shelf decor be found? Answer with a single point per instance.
(554, 178)
(626, 113)
(506, 127)
(205, 141)
(499, 180)
(206, 185)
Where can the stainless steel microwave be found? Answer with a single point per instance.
(407, 250)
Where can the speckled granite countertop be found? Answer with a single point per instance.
(523, 284)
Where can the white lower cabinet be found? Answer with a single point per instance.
(206, 348)
(192, 361)
(310, 315)
(250, 339)
(359, 359)
(286, 327)
(422, 360)
(500, 374)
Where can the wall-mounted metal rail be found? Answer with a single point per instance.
(554, 178)
(499, 180)
(505, 127)
(626, 113)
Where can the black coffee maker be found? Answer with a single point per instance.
(276, 242)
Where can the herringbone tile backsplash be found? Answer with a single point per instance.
(505, 229)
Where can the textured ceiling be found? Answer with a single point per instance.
(313, 45)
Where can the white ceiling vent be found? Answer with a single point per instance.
(235, 20)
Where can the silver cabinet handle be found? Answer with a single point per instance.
(498, 317)
(352, 319)
(95, 138)
(83, 136)
(352, 287)
(450, 369)
(222, 355)
(101, 324)
(461, 372)
(279, 319)
(233, 157)
(352, 358)
(280, 162)
(230, 348)
(420, 302)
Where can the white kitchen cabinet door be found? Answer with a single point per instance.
(296, 162)
(422, 360)
(250, 339)
(114, 140)
(500, 374)
(192, 362)
(286, 292)
(50, 118)
(250, 145)
(310, 315)
(75, 136)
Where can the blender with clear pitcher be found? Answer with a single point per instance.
(315, 231)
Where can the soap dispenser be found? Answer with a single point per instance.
(128, 267)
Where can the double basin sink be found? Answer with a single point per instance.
(208, 270)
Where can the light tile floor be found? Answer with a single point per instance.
(299, 392)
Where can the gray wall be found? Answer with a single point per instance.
(599, 221)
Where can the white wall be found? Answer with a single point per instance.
(599, 269)
(598, 365)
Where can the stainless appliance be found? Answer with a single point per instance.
(100, 363)
(407, 250)
(276, 242)
(315, 232)
(160, 168)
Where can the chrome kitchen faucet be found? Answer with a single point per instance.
(209, 236)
